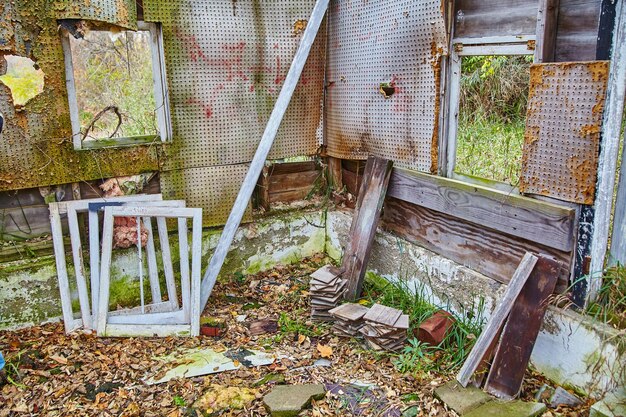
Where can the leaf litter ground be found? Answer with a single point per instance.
(53, 374)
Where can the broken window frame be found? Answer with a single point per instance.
(465, 47)
(161, 94)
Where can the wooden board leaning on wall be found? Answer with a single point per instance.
(483, 229)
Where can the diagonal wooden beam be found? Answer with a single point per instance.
(256, 166)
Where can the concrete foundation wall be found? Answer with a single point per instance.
(571, 349)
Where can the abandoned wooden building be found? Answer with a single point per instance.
(324, 207)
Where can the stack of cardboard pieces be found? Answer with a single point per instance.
(348, 319)
(385, 328)
(326, 291)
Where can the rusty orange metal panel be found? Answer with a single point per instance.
(563, 126)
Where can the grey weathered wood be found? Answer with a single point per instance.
(607, 163)
(256, 166)
(153, 271)
(168, 268)
(79, 269)
(334, 173)
(59, 256)
(186, 320)
(364, 223)
(492, 253)
(547, 21)
(618, 239)
(521, 330)
(185, 284)
(480, 18)
(577, 32)
(498, 316)
(541, 222)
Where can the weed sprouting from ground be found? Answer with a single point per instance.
(418, 358)
(610, 306)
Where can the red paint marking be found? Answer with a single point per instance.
(365, 37)
(279, 78)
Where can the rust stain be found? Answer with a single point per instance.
(588, 130)
(299, 26)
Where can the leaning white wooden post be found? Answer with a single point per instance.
(607, 164)
(618, 239)
(256, 166)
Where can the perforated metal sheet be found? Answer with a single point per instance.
(399, 42)
(226, 62)
(563, 125)
(212, 188)
(118, 12)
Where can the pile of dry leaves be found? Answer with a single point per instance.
(57, 375)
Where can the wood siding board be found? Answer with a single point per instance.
(289, 196)
(292, 167)
(364, 224)
(286, 182)
(486, 251)
(493, 18)
(577, 31)
(518, 216)
(521, 330)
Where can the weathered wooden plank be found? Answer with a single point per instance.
(292, 167)
(499, 315)
(607, 163)
(334, 173)
(364, 224)
(480, 18)
(519, 216)
(487, 251)
(352, 181)
(577, 32)
(287, 182)
(296, 194)
(547, 22)
(24, 223)
(521, 330)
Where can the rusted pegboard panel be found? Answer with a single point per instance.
(399, 43)
(563, 125)
(226, 63)
(36, 144)
(118, 12)
(212, 188)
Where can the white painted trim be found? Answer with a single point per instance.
(79, 269)
(607, 162)
(159, 81)
(153, 323)
(71, 90)
(494, 40)
(477, 50)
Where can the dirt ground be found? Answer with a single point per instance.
(57, 375)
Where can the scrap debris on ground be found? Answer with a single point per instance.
(53, 374)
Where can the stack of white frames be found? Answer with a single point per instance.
(157, 318)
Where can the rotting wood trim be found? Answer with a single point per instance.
(523, 217)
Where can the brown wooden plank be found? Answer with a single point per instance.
(353, 165)
(482, 18)
(334, 173)
(521, 330)
(364, 224)
(486, 341)
(352, 181)
(577, 32)
(487, 251)
(292, 167)
(287, 182)
(263, 189)
(527, 218)
(291, 195)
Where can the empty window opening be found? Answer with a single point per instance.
(493, 97)
(118, 87)
(24, 79)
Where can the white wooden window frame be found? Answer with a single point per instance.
(57, 210)
(495, 45)
(183, 322)
(161, 95)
